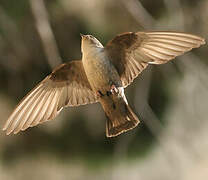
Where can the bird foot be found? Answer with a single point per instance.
(99, 94)
(114, 89)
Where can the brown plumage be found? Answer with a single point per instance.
(101, 76)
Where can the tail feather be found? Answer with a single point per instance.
(120, 118)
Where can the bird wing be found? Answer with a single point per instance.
(131, 52)
(67, 85)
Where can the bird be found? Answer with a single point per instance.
(100, 76)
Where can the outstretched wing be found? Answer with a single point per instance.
(67, 85)
(132, 52)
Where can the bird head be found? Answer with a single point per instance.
(89, 42)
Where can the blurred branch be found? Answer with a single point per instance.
(171, 7)
(151, 121)
(193, 64)
(12, 35)
(46, 34)
(139, 13)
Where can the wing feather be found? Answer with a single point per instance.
(19, 114)
(67, 85)
(28, 112)
(147, 48)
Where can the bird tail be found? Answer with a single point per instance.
(120, 117)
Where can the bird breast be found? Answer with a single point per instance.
(100, 72)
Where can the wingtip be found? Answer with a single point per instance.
(8, 130)
(203, 41)
(15, 132)
(5, 129)
(8, 133)
(5, 126)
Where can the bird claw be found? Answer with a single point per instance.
(99, 94)
(114, 89)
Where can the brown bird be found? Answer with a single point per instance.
(100, 76)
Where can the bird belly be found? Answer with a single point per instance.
(101, 73)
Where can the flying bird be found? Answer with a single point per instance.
(100, 76)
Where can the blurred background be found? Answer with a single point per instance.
(171, 100)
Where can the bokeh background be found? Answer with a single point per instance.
(171, 100)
